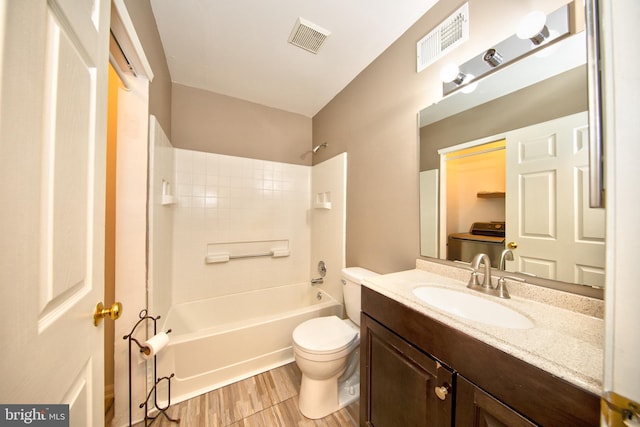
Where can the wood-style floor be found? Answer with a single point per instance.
(269, 399)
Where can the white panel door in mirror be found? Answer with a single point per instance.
(547, 167)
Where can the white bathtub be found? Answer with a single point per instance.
(217, 341)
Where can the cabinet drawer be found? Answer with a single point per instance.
(475, 407)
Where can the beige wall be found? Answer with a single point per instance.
(206, 121)
(160, 88)
(374, 120)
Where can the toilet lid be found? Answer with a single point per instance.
(324, 334)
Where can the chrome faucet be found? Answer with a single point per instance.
(475, 265)
(500, 290)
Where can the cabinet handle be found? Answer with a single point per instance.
(443, 391)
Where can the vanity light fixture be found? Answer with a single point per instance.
(537, 35)
(533, 27)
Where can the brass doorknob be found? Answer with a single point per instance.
(512, 245)
(101, 312)
(442, 391)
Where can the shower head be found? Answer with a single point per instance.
(317, 147)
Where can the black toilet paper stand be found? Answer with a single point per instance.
(154, 390)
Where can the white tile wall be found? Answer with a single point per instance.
(231, 199)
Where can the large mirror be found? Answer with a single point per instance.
(506, 167)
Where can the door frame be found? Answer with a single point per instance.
(442, 199)
(131, 210)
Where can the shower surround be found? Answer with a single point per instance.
(198, 200)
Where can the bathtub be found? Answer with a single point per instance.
(218, 341)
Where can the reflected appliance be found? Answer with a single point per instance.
(483, 237)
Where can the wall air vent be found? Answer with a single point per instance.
(448, 35)
(308, 36)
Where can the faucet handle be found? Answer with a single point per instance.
(517, 279)
(473, 280)
(501, 286)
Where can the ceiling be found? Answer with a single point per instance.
(240, 48)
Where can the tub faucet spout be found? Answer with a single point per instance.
(317, 281)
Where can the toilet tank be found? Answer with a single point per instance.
(351, 278)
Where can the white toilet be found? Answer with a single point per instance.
(326, 350)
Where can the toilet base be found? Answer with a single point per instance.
(318, 399)
(348, 392)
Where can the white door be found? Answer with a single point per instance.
(547, 205)
(52, 154)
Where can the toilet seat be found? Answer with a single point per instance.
(323, 335)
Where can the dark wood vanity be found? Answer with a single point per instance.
(417, 371)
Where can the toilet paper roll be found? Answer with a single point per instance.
(153, 345)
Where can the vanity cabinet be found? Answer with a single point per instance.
(417, 371)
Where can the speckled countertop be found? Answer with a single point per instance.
(565, 341)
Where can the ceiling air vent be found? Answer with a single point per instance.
(451, 33)
(308, 36)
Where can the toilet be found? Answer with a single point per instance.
(326, 350)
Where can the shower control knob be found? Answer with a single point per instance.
(443, 391)
(322, 268)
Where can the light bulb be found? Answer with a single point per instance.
(532, 27)
(450, 73)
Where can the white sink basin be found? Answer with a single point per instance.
(472, 307)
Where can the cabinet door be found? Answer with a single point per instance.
(399, 382)
(476, 408)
